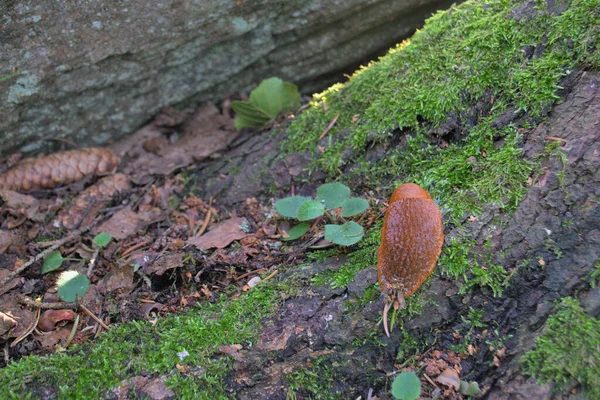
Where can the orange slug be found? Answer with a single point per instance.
(411, 243)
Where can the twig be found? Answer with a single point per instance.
(206, 219)
(430, 380)
(250, 273)
(85, 214)
(333, 121)
(30, 329)
(556, 139)
(272, 275)
(93, 262)
(91, 314)
(45, 306)
(73, 331)
(44, 253)
(134, 247)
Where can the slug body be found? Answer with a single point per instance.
(411, 243)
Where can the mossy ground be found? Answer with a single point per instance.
(474, 51)
(568, 352)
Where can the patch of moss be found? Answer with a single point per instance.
(474, 52)
(313, 381)
(568, 352)
(127, 350)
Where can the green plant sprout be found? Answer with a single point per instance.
(329, 197)
(266, 101)
(72, 284)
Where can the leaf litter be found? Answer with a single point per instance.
(169, 250)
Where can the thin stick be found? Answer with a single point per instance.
(272, 275)
(30, 329)
(206, 220)
(134, 247)
(93, 262)
(430, 380)
(250, 273)
(333, 121)
(45, 306)
(44, 253)
(556, 139)
(91, 314)
(73, 331)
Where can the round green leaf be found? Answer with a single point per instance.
(288, 207)
(274, 95)
(52, 262)
(354, 206)
(406, 386)
(333, 194)
(310, 210)
(345, 235)
(71, 284)
(298, 231)
(102, 239)
(472, 389)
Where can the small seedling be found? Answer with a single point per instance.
(266, 101)
(72, 284)
(406, 386)
(329, 197)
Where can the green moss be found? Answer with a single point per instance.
(459, 262)
(568, 352)
(313, 381)
(127, 350)
(471, 53)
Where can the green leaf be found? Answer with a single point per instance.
(354, 206)
(406, 386)
(310, 210)
(267, 100)
(470, 388)
(71, 284)
(248, 115)
(274, 95)
(345, 235)
(102, 239)
(333, 194)
(52, 262)
(297, 231)
(288, 207)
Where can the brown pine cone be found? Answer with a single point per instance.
(59, 169)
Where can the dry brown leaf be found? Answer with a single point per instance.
(17, 201)
(59, 169)
(127, 222)
(203, 134)
(92, 200)
(449, 377)
(6, 240)
(120, 278)
(7, 323)
(221, 235)
(162, 264)
(50, 318)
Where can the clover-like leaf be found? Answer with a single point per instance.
(333, 194)
(354, 206)
(406, 386)
(310, 210)
(344, 235)
(71, 285)
(102, 239)
(297, 231)
(288, 207)
(52, 262)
